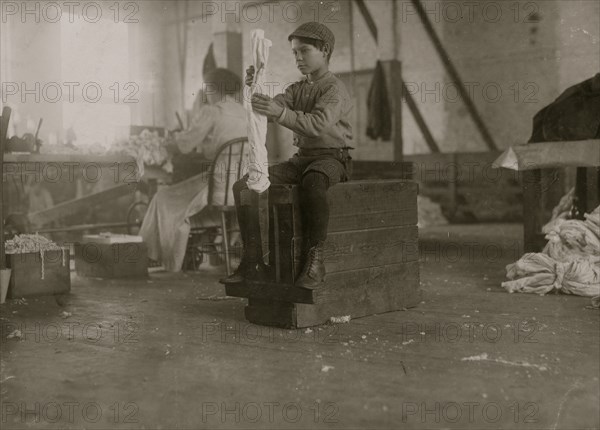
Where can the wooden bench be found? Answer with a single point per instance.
(371, 256)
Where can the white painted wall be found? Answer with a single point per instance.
(531, 62)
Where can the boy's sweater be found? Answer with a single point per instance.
(318, 113)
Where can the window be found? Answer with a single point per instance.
(95, 64)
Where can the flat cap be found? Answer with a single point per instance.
(314, 30)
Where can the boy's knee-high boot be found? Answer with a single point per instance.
(251, 264)
(314, 190)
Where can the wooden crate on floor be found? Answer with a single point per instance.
(117, 260)
(371, 256)
(34, 275)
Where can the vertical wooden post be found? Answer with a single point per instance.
(3, 131)
(593, 188)
(228, 43)
(531, 209)
(580, 198)
(352, 54)
(393, 76)
(228, 50)
(182, 44)
(397, 88)
(453, 185)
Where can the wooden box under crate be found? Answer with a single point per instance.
(34, 275)
(371, 256)
(116, 260)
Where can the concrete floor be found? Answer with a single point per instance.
(173, 352)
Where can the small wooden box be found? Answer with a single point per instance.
(33, 275)
(371, 256)
(116, 260)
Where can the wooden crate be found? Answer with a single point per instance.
(117, 260)
(27, 278)
(371, 256)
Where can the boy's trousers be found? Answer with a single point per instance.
(315, 171)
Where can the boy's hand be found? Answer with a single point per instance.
(265, 105)
(249, 75)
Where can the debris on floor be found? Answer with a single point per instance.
(15, 334)
(216, 298)
(485, 357)
(340, 320)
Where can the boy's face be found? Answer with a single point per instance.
(308, 58)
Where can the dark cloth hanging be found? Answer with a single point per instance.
(574, 115)
(210, 63)
(379, 120)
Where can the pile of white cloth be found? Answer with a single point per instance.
(429, 213)
(539, 273)
(570, 261)
(561, 211)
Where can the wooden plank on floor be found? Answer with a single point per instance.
(355, 283)
(386, 297)
(271, 313)
(361, 282)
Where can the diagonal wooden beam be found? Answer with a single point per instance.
(443, 54)
(368, 17)
(412, 106)
(74, 206)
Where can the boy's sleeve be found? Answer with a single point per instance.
(201, 125)
(286, 99)
(326, 112)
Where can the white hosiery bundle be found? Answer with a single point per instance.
(258, 179)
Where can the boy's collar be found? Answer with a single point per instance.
(327, 73)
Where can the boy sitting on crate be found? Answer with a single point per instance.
(317, 110)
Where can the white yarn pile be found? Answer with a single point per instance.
(33, 243)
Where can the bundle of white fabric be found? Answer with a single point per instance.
(539, 273)
(257, 124)
(570, 261)
(561, 211)
(569, 239)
